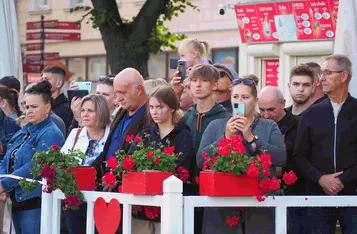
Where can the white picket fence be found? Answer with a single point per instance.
(177, 211)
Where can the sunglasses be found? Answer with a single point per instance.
(106, 78)
(246, 81)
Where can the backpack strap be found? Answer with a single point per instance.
(76, 139)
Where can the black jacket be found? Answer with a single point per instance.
(61, 107)
(316, 142)
(137, 125)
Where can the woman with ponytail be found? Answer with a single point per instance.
(167, 125)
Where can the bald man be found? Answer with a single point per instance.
(271, 104)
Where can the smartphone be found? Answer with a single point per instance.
(84, 86)
(173, 63)
(71, 93)
(238, 109)
(182, 67)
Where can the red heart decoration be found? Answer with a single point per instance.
(107, 218)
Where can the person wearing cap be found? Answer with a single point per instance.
(222, 94)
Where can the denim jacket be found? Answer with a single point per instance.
(7, 130)
(29, 140)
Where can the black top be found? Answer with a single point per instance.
(227, 105)
(323, 147)
(290, 110)
(61, 107)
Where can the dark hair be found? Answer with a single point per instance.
(107, 80)
(207, 71)
(316, 68)
(11, 96)
(55, 70)
(167, 95)
(43, 89)
(302, 70)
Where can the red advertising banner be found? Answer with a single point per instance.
(287, 21)
(271, 72)
(33, 46)
(37, 24)
(321, 19)
(54, 36)
(47, 57)
(266, 18)
(248, 23)
(31, 68)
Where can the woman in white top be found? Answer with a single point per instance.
(90, 139)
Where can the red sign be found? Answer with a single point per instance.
(54, 36)
(37, 57)
(54, 24)
(287, 21)
(31, 68)
(31, 78)
(37, 24)
(271, 72)
(248, 23)
(33, 46)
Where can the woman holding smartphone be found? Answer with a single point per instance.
(257, 134)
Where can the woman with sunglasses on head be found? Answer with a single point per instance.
(38, 135)
(257, 134)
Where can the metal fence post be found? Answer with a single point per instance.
(172, 209)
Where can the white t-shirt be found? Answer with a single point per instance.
(336, 108)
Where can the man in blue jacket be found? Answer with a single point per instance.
(326, 148)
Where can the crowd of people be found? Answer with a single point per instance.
(314, 136)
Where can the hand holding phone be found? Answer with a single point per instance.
(238, 109)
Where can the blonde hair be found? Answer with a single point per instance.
(151, 84)
(191, 44)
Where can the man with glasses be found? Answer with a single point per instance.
(301, 88)
(326, 150)
(222, 94)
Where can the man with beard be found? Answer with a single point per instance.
(301, 88)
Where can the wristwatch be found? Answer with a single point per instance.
(255, 138)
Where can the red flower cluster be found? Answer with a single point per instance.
(55, 147)
(137, 139)
(129, 138)
(156, 161)
(109, 179)
(128, 163)
(183, 173)
(289, 178)
(224, 147)
(237, 144)
(112, 163)
(232, 220)
(72, 201)
(136, 209)
(149, 155)
(48, 173)
(169, 150)
(252, 170)
(152, 212)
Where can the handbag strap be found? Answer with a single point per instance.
(76, 139)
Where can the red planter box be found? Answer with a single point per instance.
(144, 183)
(85, 177)
(226, 184)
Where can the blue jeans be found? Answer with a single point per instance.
(322, 220)
(27, 221)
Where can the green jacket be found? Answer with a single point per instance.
(198, 122)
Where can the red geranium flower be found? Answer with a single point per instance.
(152, 212)
(120, 189)
(223, 150)
(266, 172)
(264, 186)
(197, 180)
(224, 142)
(55, 147)
(232, 220)
(48, 172)
(265, 159)
(128, 163)
(112, 163)
(169, 150)
(214, 159)
(289, 178)
(72, 200)
(204, 155)
(109, 179)
(149, 155)
(129, 138)
(237, 144)
(259, 196)
(156, 161)
(137, 139)
(184, 174)
(274, 184)
(252, 171)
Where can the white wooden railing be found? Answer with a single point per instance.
(177, 211)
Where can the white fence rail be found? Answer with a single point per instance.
(177, 211)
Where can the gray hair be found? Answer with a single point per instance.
(151, 84)
(279, 96)
(317, 70)
(343, 62)
(101, 109)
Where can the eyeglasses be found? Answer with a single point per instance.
(246, 81)
(328, 72)
(106, 78)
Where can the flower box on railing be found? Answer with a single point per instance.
(214, 183)
(85, 177)
(144, 183)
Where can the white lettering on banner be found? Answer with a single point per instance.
(326, 25)
(318, 4)
(282, 7)
(298, 4)
(250, 10)
(265, 8)
(240, 11)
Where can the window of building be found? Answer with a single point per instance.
(40, 4)
(96, 67)
(156, 66)
(77, 3)
(77, 66)
(228, 57)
